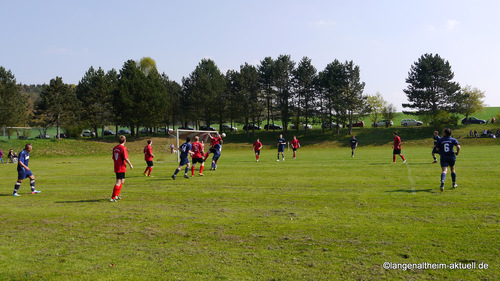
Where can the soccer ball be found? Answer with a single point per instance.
(223, 135)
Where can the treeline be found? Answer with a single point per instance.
(275, 90)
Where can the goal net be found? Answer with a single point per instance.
(183, 134)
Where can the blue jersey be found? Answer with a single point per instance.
(185, 148)
(353, 142)
(445, 145)
(24, 158)
(281, 143)
(436, 140)
(217, 148)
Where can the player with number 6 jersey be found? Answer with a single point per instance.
(448, 156)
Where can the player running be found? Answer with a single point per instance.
(216, 156)
(354, 143)
(397, 148)
(281, 147)
(120, 159)
(295, 145)
(434, 151)
(448, 156)
(213, 141)
(185, 151)
(197, 148)
(23, 171)
(148, 157)
(257, 145)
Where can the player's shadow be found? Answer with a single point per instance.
(83, 201)
(411, 190)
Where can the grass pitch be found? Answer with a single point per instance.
(322, 216)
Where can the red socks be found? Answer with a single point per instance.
(201, 169)
(116, 191)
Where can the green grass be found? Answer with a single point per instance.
(323, 216)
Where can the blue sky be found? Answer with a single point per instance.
(45, 39)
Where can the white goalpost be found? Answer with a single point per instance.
(183, 134)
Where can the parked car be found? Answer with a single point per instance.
(292, 126)
(327, 125)
(383, 123)
(273, 127)
(23, 138)
(124, 132)
(185, 128)
(228, 127)
(88, 133)
(109, 133)
(411, 122)
(472, 120)
(252, 126)
(41, 136)
(205, 128)
(163, 130)
(61, 136)
(358, 123)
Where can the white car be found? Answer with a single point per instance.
(411, 122)
(292, 126)
(382, 123)
(88, 133)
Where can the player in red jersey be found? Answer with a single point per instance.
(257, 145)
(397, 148)
(120, 159)
(197, 155)
(295, 144)
(213, 141)
(148, 157)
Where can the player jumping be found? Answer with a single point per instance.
(197, 156)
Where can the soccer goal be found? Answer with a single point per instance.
(183, 134)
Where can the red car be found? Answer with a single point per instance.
(357, 124)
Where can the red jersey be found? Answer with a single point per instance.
(197, 149)
(215, 141)
(397, 142)
(148, 153)
(119, 155)
(295, 143)
(257, 145)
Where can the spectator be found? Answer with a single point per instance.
(11, 157)
(1, 156)
(492, 120)
(475, 134)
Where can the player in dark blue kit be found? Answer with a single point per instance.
(434, 151)
(354, 143)
(216, 156)
(448, 156)
(281, 147)
(23, 171)
(185, 150)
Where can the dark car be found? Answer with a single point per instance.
(273, 127)
(124, 132)
(43, 136)
(109, 133)
(185, 128)
(472, 120)
(61, 136)
(205, 128)
(333, 125)
(357, 124)
(252, 127)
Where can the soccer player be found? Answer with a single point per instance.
(148, 157)
(23, 171)
(295, 144)
(257, 145)
(213, 141)
(397, 148)
(448, 156)
(120, 159)
(436, 140)
(216, 156)
(197, 148)
(354, 143)
(281, 147)
(185, 151)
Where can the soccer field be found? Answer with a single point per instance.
(322, 216)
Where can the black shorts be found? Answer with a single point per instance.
(447, 161)
(149, 163)
(198, 160)
(257, 152)
(396, 151)
(434, 151)
(120, 176)
(294, 148)
(212, 149)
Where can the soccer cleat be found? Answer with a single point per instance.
(278, 160)
(15, 194)
(454, 185)
(145, 174)
(112, 200)
(173, 177)
(404, 161)
(35, 192)
(283, 159)
(441, 188)
(118, 198)
(435, 161)
(186, 176)
(201, 175)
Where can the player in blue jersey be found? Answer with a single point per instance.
(216, 156)
(281, 147)
(23, 171)
(354, 143)
(448, 156)
(185, 151)
(434, 151)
